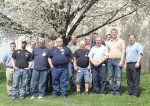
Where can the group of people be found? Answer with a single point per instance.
(88, 62)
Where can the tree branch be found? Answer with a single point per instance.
(106, 23)
(80, 18)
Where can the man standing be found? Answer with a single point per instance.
(116, 48)
(59, 59)
(87, 42)
(73, 45)
(9, 68)
(28, 87)
(40, 70)
(133, 56)
(21, 61)
(98, 56)
(82, 66)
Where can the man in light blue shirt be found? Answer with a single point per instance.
(133, 56)
(9, 68)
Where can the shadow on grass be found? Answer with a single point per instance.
(2, 77)
(2, 74)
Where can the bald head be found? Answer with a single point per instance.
(82, 44)
(42, 42)
(59, 42)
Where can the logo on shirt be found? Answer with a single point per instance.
(62, 51)
(18, 52)
(44, 54)
(26, 54)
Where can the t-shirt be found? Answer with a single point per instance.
(22, 57)
(133, 51)
(40, 56)
(82, 57)
(60, 56)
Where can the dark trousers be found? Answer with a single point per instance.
(133, 79)
(49, 82)
(99, 79)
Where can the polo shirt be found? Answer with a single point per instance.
(40, 57)
(73, 47)
(133, 51)
(60, 56)
(82, 58)
(7, 59)
(97, 53)
(22, 58)
(115, 48)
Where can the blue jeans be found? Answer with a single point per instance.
(39, 82)
(71, 77)
(115, 75)
(99, 79)
(83, 73)
(59, 79)
(28, 86)
(19, 75)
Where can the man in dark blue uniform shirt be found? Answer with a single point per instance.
(59, 58)
(21, 61)
(40, 69)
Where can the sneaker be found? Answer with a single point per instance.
(21, 97)
(13, 98)
(40, 97)
(78, 93)
(112, 93)
(86, 92)
(32, 97)
(118, 93)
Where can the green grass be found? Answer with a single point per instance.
(83, 100)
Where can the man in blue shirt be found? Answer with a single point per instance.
(40, 70)
(133, 56)
(9, 68)
(59, 57)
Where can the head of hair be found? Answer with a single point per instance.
(42, 40)
(95, 33)
(132, 35)
(108, 35)
(114, 29)
(24, 42)
(12, 43)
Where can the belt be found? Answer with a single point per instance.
(130, 62)
(60, 66)
(9, 67)
(114, 59)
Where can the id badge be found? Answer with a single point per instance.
(103, 64)
(79, 71)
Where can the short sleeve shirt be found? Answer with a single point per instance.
(133, 51)
(82, 57)
(115, 48)
(22, 57)
(60, 56)
(98, 53)
(40, 57)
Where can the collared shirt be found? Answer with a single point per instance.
(115, 48)
(22, 58)
(40, 57)
(73, 47)
(133, 51)
(60, 56)
(7, 59)
(98, 52)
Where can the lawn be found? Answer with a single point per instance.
(82, 100)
